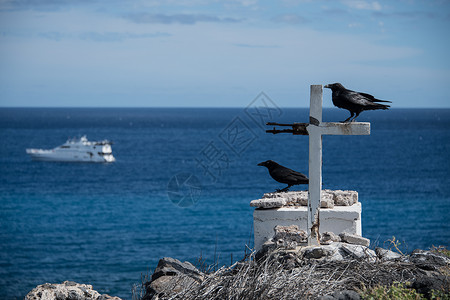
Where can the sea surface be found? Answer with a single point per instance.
(182, 184)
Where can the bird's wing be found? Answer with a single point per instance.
(281, 172)
(372, 98)
(359, 99)
(298, 175)
(294, 176)
(356, 98)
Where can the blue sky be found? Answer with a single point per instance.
(221, 53)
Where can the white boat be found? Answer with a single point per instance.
(76, 150)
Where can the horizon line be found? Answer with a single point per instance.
(190, 107)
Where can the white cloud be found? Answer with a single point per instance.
(206, 60)
(355, 25)
(363, 5)
(178, 18)
(246, 2)
(381, 25)
(290, 19)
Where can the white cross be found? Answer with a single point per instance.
(316, 129)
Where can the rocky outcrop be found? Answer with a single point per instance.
(326, 272)
(68, 290)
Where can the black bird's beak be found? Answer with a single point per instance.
(261, 164)
(327, 86)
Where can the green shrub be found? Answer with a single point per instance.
(441, 250)
(439, 295)
(397, 291)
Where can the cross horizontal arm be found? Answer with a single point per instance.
(297, 128)
(351, 128)
(278, 124)
(275, 131)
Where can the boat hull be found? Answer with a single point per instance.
(76, 150)
(49, 155)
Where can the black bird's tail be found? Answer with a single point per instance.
(378, 100)
(377, 106)
(373, 99)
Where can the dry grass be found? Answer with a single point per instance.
(282, 275)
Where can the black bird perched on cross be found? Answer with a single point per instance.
(354, 102)
(284, 175)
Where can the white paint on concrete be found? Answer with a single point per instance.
(337, 220)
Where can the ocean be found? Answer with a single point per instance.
(182, 183)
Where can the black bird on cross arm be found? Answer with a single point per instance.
(284, 175)
(354, 102)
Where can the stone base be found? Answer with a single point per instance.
(337, 220)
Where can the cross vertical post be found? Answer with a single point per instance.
(316, 129)
(315, 159)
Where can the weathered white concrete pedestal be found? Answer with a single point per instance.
(340, 212)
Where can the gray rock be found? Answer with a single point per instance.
(269, 246)
(329, 198)
(326, 200)
(168, 266)
(168, 285)
(299, 198)
(427, 260)
(289, 234)
(426, 284)
(292, 196)
(346, 295)
(337, 255)
(108, 297)
(337, 251)
(354, 239)
(344, 198)
(328, 238)
(266, 248)
(269, 202)
(172, 275)
(317, 253)
(68, 290)
(321, 252)
(327, 297)
(332, 252)
(385, 254)
(358, 251)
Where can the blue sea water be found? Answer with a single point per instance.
(182, 184)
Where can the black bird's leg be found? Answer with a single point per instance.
(285, 189)
(346, 120)
(354, 119)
